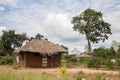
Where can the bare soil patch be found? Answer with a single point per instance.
(57, 70)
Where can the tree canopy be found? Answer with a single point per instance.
(10, 40)
(38, 36)
(91, 24)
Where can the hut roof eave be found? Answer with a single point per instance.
(42, 47)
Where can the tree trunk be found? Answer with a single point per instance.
(116, 60)
(89, 46)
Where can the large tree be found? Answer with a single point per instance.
(10, 40)
(91, 23)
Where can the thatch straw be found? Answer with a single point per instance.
(83, 55)
(42, 47)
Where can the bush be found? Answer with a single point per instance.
(79, 75)
(98, 76)
(63, 72)
(109, 64)
(83, 60)
(6, 60)
(118, 62)
(94, 63)
(15, 66)
(70, 59)
(74, 60)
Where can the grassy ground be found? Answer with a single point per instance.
(8, 73)
(14, 75)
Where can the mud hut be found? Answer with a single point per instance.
(40, 53)
(83, 55)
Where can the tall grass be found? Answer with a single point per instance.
(98, 76)
(79, 75)
(13, 75)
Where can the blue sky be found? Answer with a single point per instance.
(52, 18)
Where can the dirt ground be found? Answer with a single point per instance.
(57, 70)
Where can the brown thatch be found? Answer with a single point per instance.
(83, 55)
(42, 47)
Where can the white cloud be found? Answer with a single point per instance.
(1, 29)
(53, 19)
(114, 19)
(58, 24)
(9, 2)
(59, 27)
(2, 8)
(95, 4)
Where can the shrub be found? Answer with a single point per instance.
(15, 66)
(6, 60)
(63, 72)
(109, 64)
(118, 62)
(94, 63)
(79, 75)
(70, 59)
(83, 60)
(98, 76)
(74, 60)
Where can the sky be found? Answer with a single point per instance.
(52, 18)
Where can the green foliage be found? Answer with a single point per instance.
(118, 53)
(100, 52)
(74, 60)
(94, 63)
(111, 53)
(6, 60)
(63, 61)
(65, 47)
(98, 76)
(115, 45)
(70, 58)
(118, 62)
(63, 70)
(38, 36)
(110, 64)
(79, 75)
(83, 60)
(67, 58)
(107, 54)
(10, 40)
(91, 24)
(15, 66)
(1, 49)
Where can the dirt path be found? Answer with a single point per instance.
(57, 70)
(88, 70)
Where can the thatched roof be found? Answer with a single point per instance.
(83, 55)
(42, 47)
